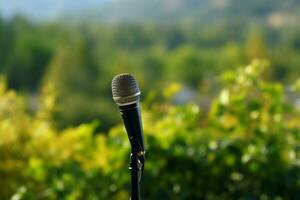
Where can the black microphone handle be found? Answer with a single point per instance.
(131, 115)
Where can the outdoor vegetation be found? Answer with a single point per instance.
(246, 146)
(220, 107)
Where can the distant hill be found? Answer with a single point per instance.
(149, 11)
(275, 12)
(161, 11)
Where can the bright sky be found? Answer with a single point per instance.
(44, 8)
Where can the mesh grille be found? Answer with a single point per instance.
(125, 89)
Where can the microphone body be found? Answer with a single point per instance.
(131, 115)
(126, 94)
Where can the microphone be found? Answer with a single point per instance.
(126, 94)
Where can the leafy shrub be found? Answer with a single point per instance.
(246, 147)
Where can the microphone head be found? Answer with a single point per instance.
(125, 90)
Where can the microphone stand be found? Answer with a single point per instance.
(136, 168)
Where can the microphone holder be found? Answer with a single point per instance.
(137, 160)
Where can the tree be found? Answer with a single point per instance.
(255, 47)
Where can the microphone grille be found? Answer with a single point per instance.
(125, 89)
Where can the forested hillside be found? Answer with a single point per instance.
(79, 61)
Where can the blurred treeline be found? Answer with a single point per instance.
(79, 60)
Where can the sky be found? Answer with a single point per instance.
(44, 9)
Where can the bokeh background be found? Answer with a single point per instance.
(220, 97)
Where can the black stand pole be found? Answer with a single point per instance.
(135, 168)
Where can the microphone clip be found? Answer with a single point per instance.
(137, 163)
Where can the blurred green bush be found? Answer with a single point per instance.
(246, 147)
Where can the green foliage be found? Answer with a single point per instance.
(245, 147)
(80, 60)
